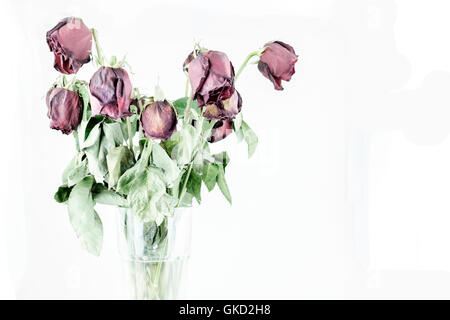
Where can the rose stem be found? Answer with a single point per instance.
(77, 143)
(244, 64)
(183, 189)
(130, 138)
(100, 58)
(198, 124)
(188, 109)
(186, 90)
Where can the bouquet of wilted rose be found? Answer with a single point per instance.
(147, 155)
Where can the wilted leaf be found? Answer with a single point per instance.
(118, 161)
(62, 195)
(85, 221)
(223, 184)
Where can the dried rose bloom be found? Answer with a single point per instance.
(212, 77)
(277, 63)
(226, 109)
(159, 120)
(64, 109)
(220, 130)
(71, 42)
(110, 90)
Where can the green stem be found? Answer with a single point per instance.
(246, 61)
(199, 126)
(187, 111)
(100, 57)
(77, 142)
(183, 189)
(186, 89)
(130, 136)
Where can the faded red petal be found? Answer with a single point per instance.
(226, 109)
(212, 77)
(159, 120)
(71, 42)
(277, 63)
(110, 90)
(64, 109)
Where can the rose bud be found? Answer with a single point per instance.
(220, 130)
(212, 77)
(277, 63)
(159, 120)
(226, 109)
(64, 109)
(71, 42)
(110, 90)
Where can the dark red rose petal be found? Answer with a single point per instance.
(64, 109)
(110, 90)
(159, 120)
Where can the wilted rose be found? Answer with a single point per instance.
(64, 109)
(221, 130)
(226, 109)
(277, 63)
(110, 90)
(71, 42)
(159, 120)
(212, 77)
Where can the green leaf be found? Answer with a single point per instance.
(222, 159)
(103, 195)
(62, 195)
(237, 122)
(184, 149)
(83, 92)
(180, 106)
(194, 185)
(113, 61)
(250, 137)
(186, 202)
(69, 168)
(162, 160)
(91, 131)
(209, 176)
(146, 190)
(77, 173)
(223, 184)
(125, 182)
(118, 160)
(240, 134)
(109, 136)
(85, 221)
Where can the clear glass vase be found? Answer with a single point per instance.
(155, 257)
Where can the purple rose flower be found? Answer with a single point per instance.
(71, 42)
(159, 120)
(226, 109)
(277, 63)
(212, 77)
(110, 90)
(64, 109)
(221, 130)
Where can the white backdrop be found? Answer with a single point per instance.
(347, 195)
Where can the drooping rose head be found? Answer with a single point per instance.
(226, 109)
(221, 130)
(159, 120)
(64, 109)
(277, 63)
(212, 77)
(71, 42)
(110, 91)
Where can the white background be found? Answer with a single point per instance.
(347, 195)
